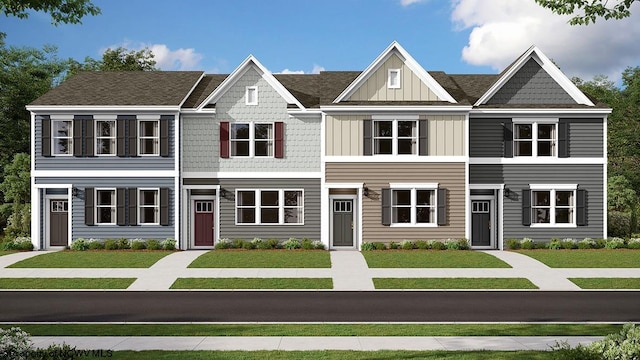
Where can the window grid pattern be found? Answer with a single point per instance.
(148, 206)
(149, 137)
(553, 207)
(395, 137)
(535, 139)
(269, 206)
(251, 139)
(62, 136)
(106, 137)
(413, 206)
(105, 206)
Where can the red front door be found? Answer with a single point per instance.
(203, 222)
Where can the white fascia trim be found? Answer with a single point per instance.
(201, 187)
(306, 112)
(192, 88)
(396, 117)
(230, 80)
(446, 109)
(605, 179)
(204, 111)
(529, 120)
(397, 185)
(411, 63)
(486, 187)
(538, 161)
(136, 109)
(251, 175)
(354, 185)
(104, 173)
(396, 159)
(573, 112)
(553, 186)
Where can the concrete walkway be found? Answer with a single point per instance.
(349, 272)
(304, 343)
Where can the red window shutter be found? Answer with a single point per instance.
(279, 139)
(224, 139)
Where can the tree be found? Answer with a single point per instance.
(620, 193)
(590, 9)
(119, 59)
(61, 11)
(16, 185)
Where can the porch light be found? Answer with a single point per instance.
(74, 191)
(365, 190)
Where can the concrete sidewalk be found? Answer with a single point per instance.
(305, 343)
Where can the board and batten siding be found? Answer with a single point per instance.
(411, 87)
(518, 177)
(379, 175)
(76, 208)
(111, 162)
(446, 135)
(310, 229)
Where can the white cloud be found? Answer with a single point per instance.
(166, 59)
(410, 2)
(503, 29)
(316, 70)
(287, 71)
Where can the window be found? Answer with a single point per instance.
(252, 95)
(553, 207)
(149, 137)
(393, 82)
(106, 137)
(395, 137)
(534, 139)
(105, 206)
(413, 206)
(62, 136)
(148, 206)
(249, 139)
(269, 207)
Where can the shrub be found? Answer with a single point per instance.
(237, 243)
(264, 245)
(527, 244)
(568, 244)
(248, 245)
(380, 246)
(393, 245)
(586, 243)
(19, 222)
(463, 244)
(291, 244)
(22, 243)
(554, 244)
(614, 243)
(367, 246)
(634, 243)
(123, 244)
(111, 244)
(273, 243)
(169, 244)
(223, 244)
(257, 242)
(14, 344)
(80, 244)
(438, 245)
(600, 243)
(138, 244)
(318, 245)
(96, 244)
(406, 245)
(623, 345)
(422, 245)
(513, 244)
(153, 244)
(619, 224)
(307, 244)
(564, 351)
(456, 244)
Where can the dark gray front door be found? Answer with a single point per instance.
(58, 223)
(480, 223)
(342, 222)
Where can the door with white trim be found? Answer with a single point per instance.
(203, 222)
(342, 222)
(482, 222)
(58, 222)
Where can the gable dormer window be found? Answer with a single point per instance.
(393, 81)
(251, 95)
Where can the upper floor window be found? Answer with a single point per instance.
(251, 95)
(105, 206)
(395, 137)
(149, 137)
(393, 82)
(251, 139)
(106, 137)
(535, 139)
(270, 206)
(62, 137)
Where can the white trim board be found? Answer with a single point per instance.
(104, 173)
(251, 175)
(547, 160)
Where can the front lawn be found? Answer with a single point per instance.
(65, 283)
(263, 259)
(253, 283)
(6, 252)
(607, 283)
(592, 258)
(93, 259)
(431, 259)
(453, 283)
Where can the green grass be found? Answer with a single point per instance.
(596, 258)
(93, 259)
(253, 283)
(431, 259)
(607, 283)
(263, 259)
(65, 283)
(317, 329)
(340, 355)
(453, 283)
(2, 252)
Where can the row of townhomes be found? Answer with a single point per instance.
(389, 153)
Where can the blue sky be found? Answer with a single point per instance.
(459, 36)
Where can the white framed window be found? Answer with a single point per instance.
(148, 137)
(269, 207)
(62, 137)
(149, 206)
(251, 139)
(393, 80)
(105, 210)
(251, 95)
(414, 205)
(395, 137)
(553, 206)
(105, 137)
(535, 138)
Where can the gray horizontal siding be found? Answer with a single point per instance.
(518, 177)
(310, 229)
(586, 137)
(80, 230)
(103, 162)
(486, 137)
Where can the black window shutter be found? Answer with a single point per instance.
(581, 207)
(133, 137)
(423, 139)
(386, 206)
(563, 141)
(120, 207)
(526, 207)
(46, 136)
(507, 141)
(77, 137)
(164, 206)
(164, 136)
(442, 206)
(88, 137)
(121, 140)
(88, 206)
(133, 206)
(367, 137)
